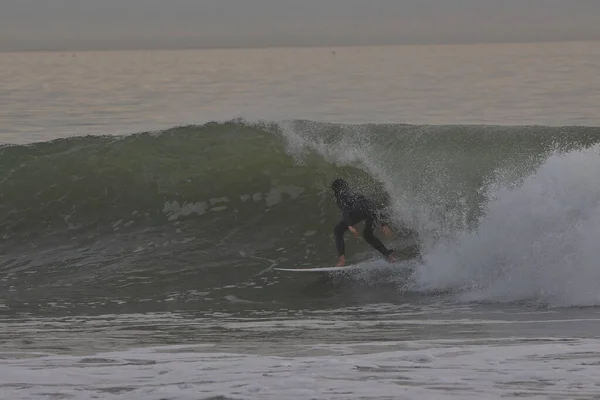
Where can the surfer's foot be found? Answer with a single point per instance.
(392, 257)
(341, 262)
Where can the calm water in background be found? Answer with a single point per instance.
(351, 338)
(48, 95)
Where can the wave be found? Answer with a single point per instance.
(538, 241)
(222, 191)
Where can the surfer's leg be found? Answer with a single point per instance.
(370, 238)
(338, 232)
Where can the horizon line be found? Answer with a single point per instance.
(282, 46)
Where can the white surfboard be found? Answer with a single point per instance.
(324, 269)
(361, 266)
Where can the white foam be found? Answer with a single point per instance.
(420, 369)
(174, 210)
(539, 240)
(218, 200)
(274, 196)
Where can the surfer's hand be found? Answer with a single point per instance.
(386, 230)
(341, 262)
(354, 231)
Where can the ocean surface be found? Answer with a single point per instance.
(145, 198)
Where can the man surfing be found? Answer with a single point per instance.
(355, 208)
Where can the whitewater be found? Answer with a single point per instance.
(140, 225)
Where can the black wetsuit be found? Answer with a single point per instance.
(356, 208)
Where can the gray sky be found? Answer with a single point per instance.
(121, 24)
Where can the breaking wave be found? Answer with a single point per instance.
(501, 213)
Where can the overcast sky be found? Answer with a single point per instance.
(119, 24)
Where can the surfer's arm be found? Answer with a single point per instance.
(384, 224)
(347, 219)
(354, 231)
(381, 217)
(386, 230)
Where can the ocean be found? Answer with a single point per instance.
(145, 198)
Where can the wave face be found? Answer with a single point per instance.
(492, 205)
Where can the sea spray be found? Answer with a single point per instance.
(537, 241)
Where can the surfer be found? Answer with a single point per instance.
(355, 208)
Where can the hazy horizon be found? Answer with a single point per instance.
(71, 25)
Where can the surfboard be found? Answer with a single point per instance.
(362, 266)
(323, 269)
